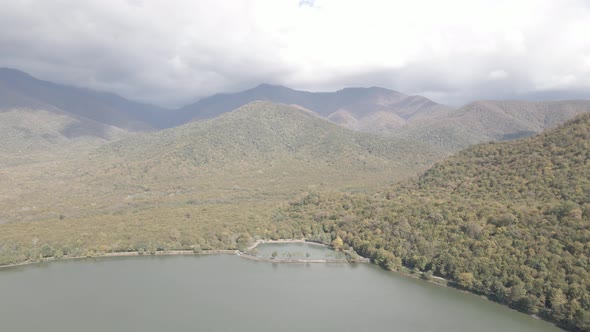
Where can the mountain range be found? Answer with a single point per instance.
(375, 110)
(41, 120)
(368, 109)
(86, 173)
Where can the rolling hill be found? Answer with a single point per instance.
(261, 132)
(39, 135)
(490, 120)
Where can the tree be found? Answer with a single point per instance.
(47, 251)
(337, 243)
(243, 240)
(557, 298)
(386, 259)
(465, 279)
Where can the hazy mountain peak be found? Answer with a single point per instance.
(362, 105)
(267, 86)
(355, 102)
(261, 105)
(266, 111)
(19, 90)
(12, 73)
(373, 89)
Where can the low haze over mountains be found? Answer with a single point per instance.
(20, 90)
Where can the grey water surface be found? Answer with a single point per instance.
(230, 293)
(298, 250)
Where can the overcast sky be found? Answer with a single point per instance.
(173, 52)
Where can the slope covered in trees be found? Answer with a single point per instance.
(264, 132)
(207, 184)
(490, 120)
(508, 220)
(30, 136)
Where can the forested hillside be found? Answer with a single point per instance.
(508, 220)
(490, 120)
(264, 132)
(30, 136)
(211, 184)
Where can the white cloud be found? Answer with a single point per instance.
(498, 74)
(174, 51)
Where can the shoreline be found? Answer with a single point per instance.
(236, 252)
(129, 254)
(439, 281)
(258, 242)
(288, 260)
(405, 272)
(408, 274)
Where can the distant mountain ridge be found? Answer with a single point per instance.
(19, 90)
(388, 112)
(373, 110)
(367, 109)
(41, 120)
(354, 108)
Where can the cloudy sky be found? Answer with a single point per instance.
(173, 52)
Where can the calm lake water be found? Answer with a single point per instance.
(229, 293)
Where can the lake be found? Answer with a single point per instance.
(230, 293)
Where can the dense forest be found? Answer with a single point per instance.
(507, 220)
